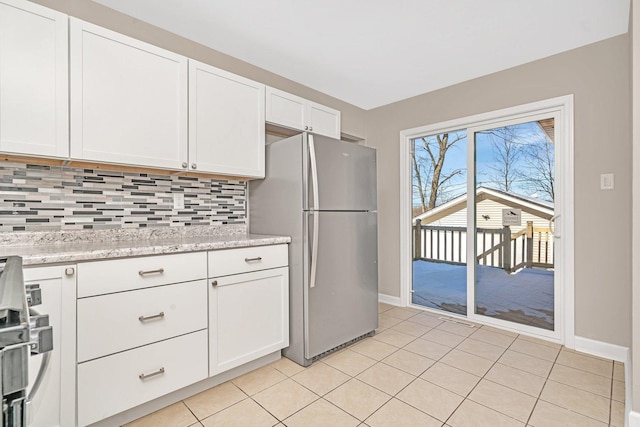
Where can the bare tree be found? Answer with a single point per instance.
(430, 175)
(420, 171)
(508, 153)
(540, 176)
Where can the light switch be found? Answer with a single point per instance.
(178, 200)
(607, 181)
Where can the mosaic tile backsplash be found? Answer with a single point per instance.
(56, 198)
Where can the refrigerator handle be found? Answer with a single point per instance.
(314, 172)
(314, 184)
(314, 250)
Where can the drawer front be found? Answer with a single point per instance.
(104, 277)
(111, 323)
(112, 384)
(244, 260)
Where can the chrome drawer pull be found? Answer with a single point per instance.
(155, 316)
(158, 271)
(258, 258)
(152, 374)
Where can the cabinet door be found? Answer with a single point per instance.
(248, 317)
(285, 109)
(34, 74)
(128, 100)
(226, 122)
(54, 404)
(323, 120)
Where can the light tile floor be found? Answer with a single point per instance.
(418, 370)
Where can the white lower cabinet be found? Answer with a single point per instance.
(143, 316)
(54, 404)
(109, 385)
(248, 317)
(148, 326)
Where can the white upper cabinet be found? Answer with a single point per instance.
(226, 122)
(291, 111)
(323, 120)
(128, 100)
(34, 94)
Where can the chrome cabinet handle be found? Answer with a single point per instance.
(256, 259)
(310, 128)
(152, 374)
(194, 166)
(69, 271)
(184, 165)
(155, 316)
(214, 283)
(145, 272)
(306, 128)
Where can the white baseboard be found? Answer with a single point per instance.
(602, 349)
(388, 299)
(621, 354)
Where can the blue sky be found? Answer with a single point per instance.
(456, 158)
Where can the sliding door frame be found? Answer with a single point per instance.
(562, 109)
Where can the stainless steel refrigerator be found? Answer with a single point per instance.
(322, 193)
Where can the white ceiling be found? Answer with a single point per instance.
(373, 52)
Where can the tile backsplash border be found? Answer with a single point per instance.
(59, 198)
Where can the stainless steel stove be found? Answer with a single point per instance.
(23, 332)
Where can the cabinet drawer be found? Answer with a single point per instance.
(244, 260)
(103, 277)
(112, 384)
(111, 323)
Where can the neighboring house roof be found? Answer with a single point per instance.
(542, 208)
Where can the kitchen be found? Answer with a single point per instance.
(124, 195)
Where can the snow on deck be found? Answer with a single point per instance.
(524, 297)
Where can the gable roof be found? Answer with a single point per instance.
(542, 207)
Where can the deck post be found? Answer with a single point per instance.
(529, 262)
(417, 243)
(506, 245)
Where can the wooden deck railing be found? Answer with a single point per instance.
(529, 247)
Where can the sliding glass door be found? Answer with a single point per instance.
(439, 175)
(483, 222)
(511, 218)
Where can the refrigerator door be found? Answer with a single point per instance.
(341, 176)
(343, 302)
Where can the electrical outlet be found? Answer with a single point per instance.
(607, 181)
(178, 200)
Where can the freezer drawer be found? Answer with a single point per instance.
(342, 300)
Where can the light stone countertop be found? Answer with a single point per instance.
(42, 248)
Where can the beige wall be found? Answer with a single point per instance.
(353, 118)
(635, 349)
(598, 76)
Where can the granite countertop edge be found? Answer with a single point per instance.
(94, 251)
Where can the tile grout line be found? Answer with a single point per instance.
(543, 386)
(548, 378)
(466, 397)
